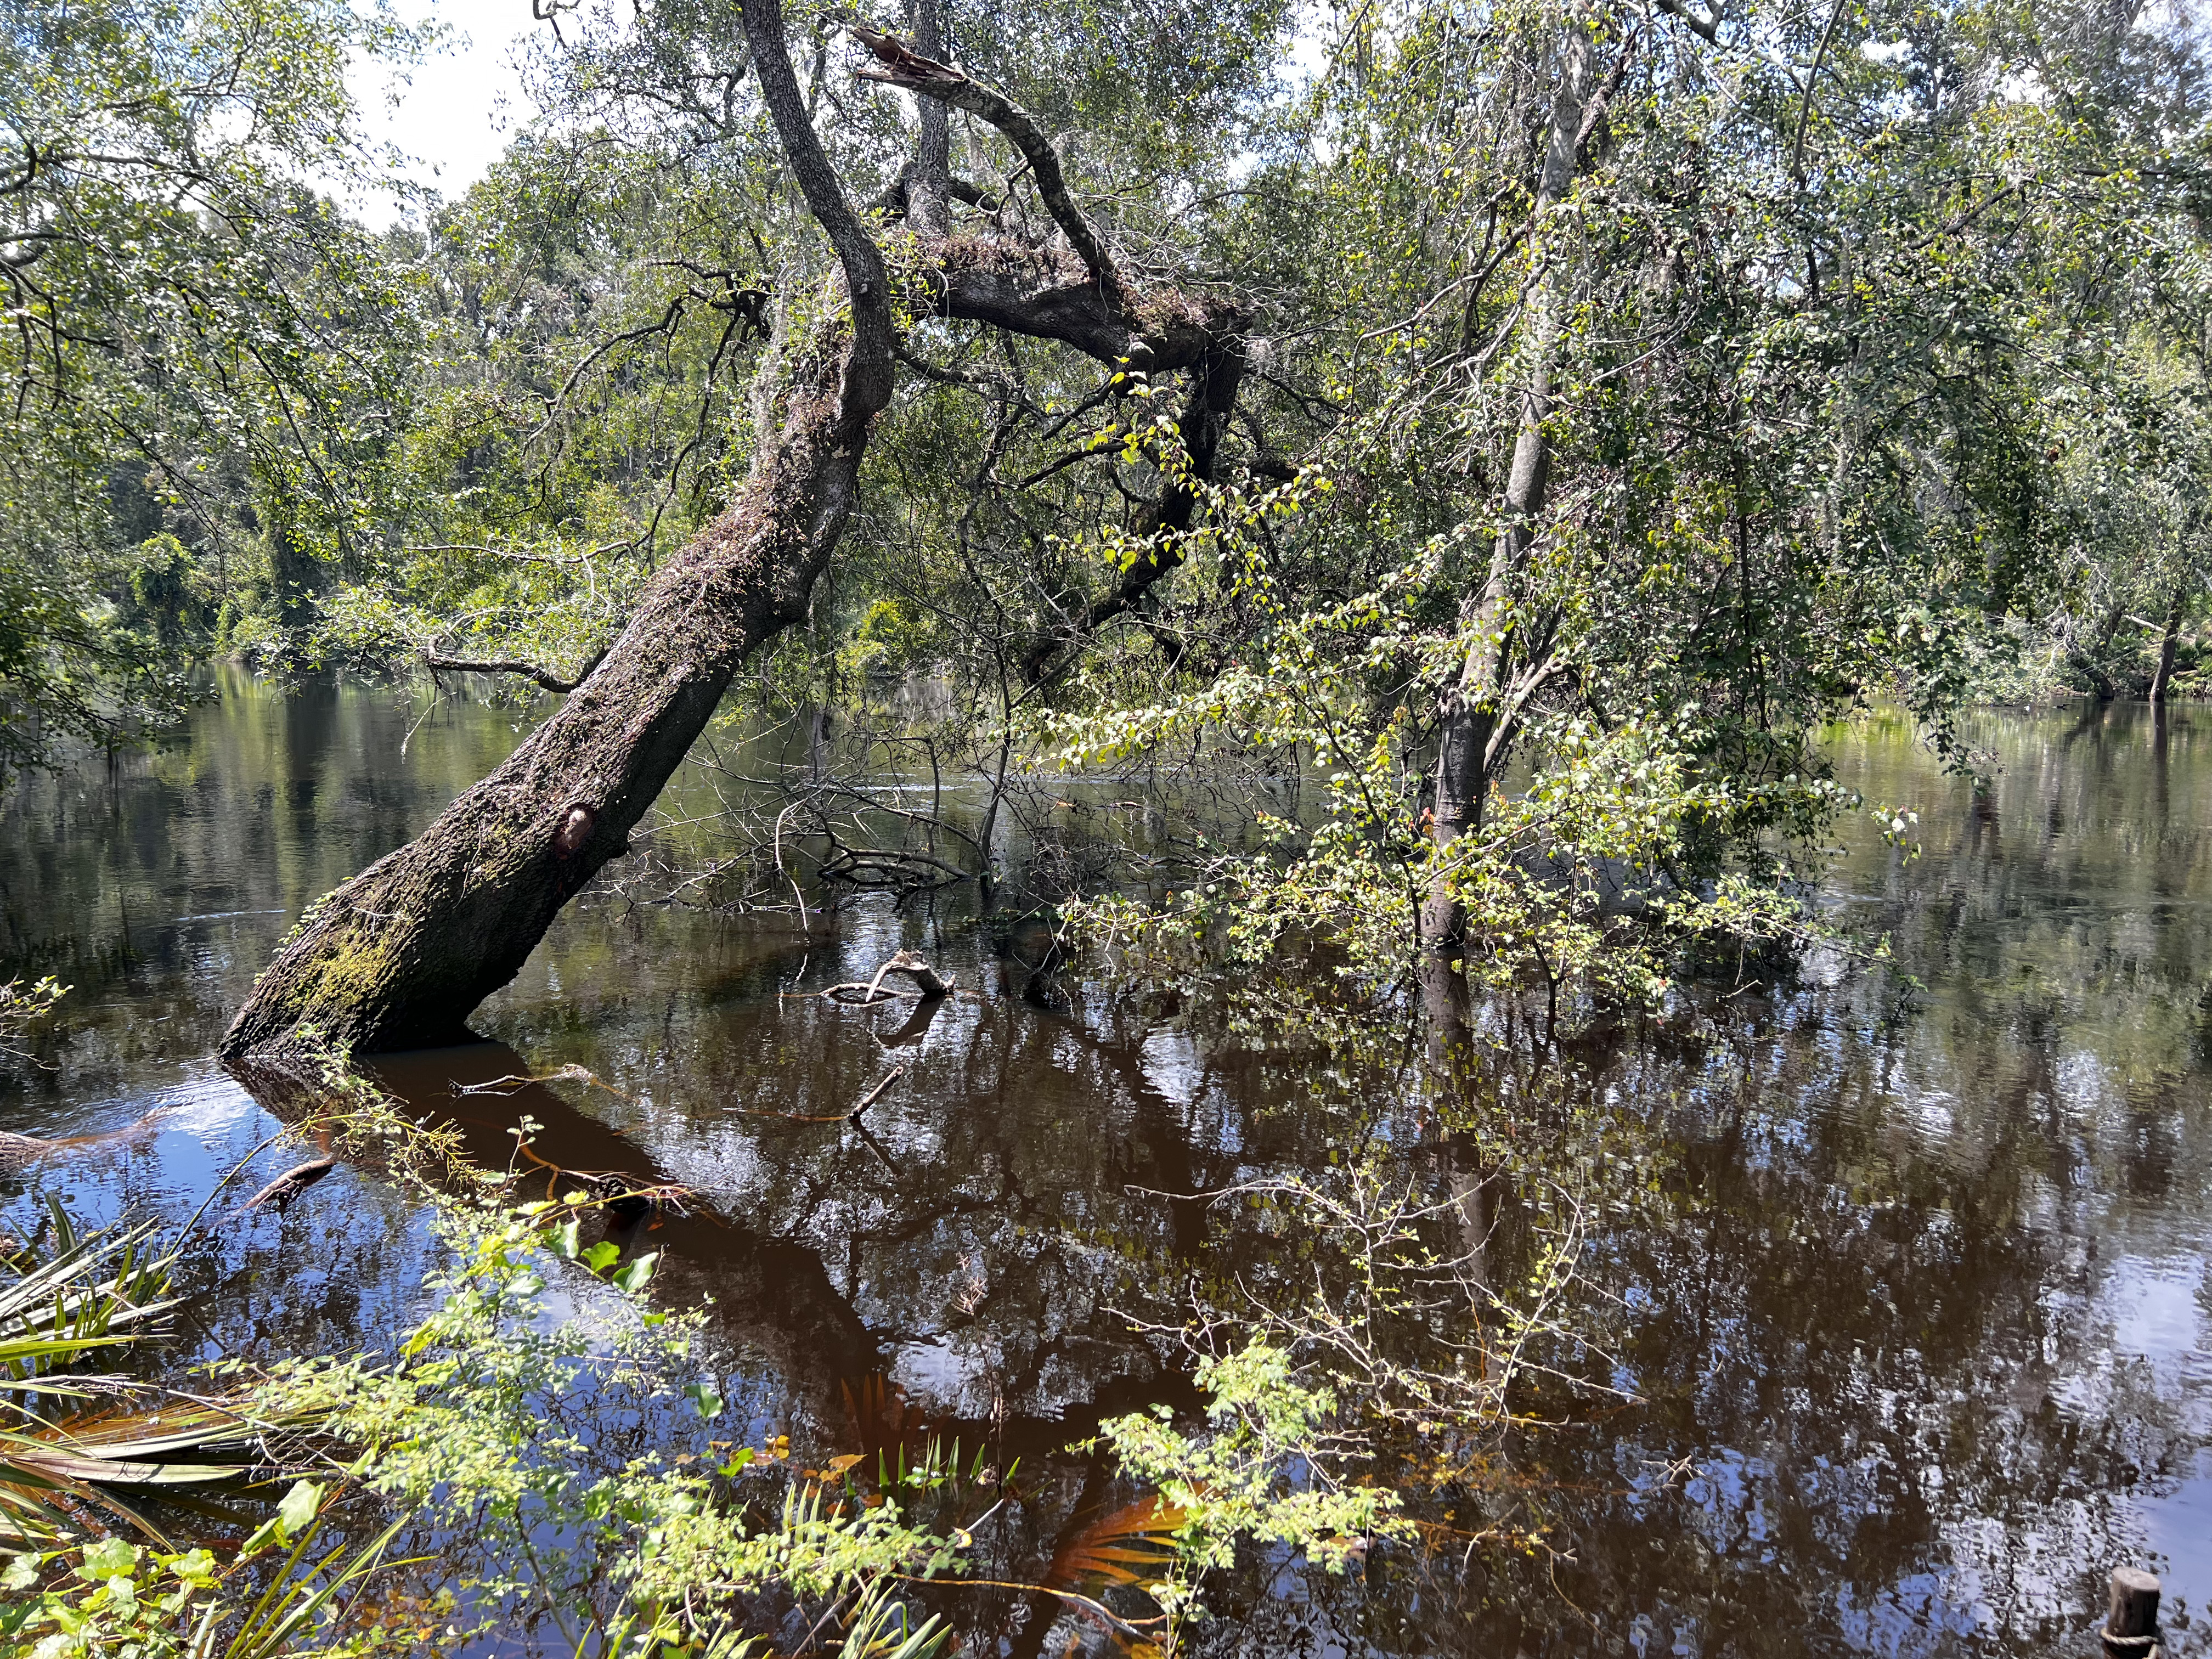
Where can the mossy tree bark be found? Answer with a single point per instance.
(400, 956)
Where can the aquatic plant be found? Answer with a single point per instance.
(74, 1585)
(24, 1006)
(116, 1597)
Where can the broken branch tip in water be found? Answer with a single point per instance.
(281, 1193)
(877, 1093)
(929, 984)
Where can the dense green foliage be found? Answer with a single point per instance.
(1653, 386)
(1864, 347)
(205, 366)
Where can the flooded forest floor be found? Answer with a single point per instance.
(1891, 1330)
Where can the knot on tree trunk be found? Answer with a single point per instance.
(575, 829)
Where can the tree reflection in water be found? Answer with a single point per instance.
(1890, 1327)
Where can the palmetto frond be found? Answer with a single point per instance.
(93, 1291)
(1129, 1545)
(59, 1478)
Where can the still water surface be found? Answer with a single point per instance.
(1910, 1290)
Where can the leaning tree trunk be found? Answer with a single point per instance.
(401, 955)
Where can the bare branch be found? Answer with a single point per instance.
(910, 72)
(544, 677)
(1706, 25)
(867, 379)
(894, 197)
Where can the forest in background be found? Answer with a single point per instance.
(1866, 345)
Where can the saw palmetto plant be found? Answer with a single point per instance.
(80, 1450)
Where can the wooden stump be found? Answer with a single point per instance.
(2131, 1627)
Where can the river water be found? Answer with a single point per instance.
(1899, 1275)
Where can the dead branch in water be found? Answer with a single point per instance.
(284, 1192)
(929, 984)
(507, 1085)
(852, 1117)
(877, 1093)
(625, 1196)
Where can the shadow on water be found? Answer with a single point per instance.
(1902, 1274)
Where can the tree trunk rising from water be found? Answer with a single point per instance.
(400, 956)
(1506, 659)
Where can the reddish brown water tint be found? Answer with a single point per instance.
(1904, 1270)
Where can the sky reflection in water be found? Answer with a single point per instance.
(1917, 1300)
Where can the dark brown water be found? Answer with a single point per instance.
(1902, 1274)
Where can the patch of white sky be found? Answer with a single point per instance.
(1311, 42)
(451, 113)
(1314, 36)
